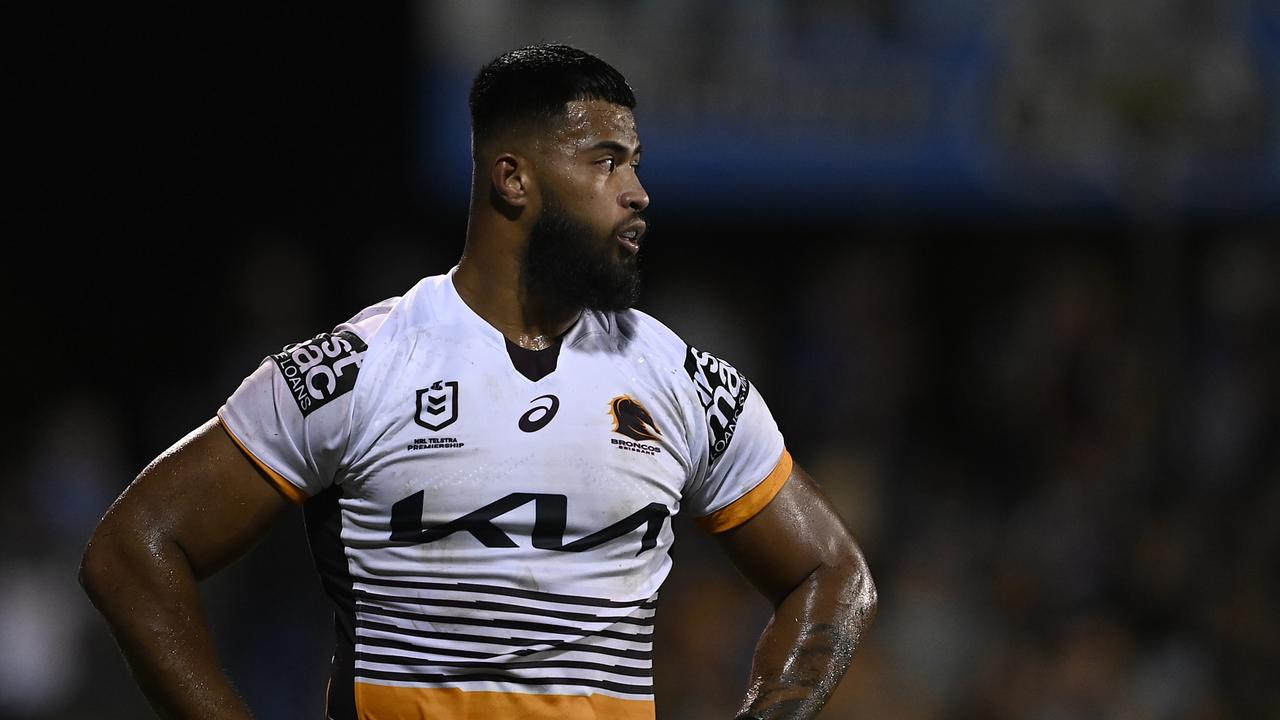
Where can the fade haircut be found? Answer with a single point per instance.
(534, 83)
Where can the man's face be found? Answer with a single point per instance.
(584, 244)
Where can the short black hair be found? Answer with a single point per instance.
(535, 83)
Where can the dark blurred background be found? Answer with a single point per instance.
(1008, 275)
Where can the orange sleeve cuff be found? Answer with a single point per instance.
(746, 507)
(286, 488)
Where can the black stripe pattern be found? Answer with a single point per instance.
(488, 637)
(324, 532)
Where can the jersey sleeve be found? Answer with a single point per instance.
(293, 415)
(746, 461)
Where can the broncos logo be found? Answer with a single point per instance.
(632, 420)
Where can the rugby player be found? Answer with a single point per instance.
(488, 465)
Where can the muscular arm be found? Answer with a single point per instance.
(195, 509)
(799, 554)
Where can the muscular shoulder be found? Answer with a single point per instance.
(386, 321)
(330, 365)
(322, 369)
(638, 331)
(719, 390)
(630, 335)
(390, 321)
(650, 336)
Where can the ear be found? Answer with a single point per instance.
(512, 179)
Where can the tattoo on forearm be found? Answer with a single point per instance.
(807, 647)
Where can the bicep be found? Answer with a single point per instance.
(795, 534)
(202, 495)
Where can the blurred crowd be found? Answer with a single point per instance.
(1072, 506)
(1147, 105)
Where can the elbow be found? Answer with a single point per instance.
(860, 587)
(867, 591)
(108, 560)
(95, 568)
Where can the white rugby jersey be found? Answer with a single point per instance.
(493, 524)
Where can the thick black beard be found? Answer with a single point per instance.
(566, 264)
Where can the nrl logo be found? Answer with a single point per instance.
(437, 405)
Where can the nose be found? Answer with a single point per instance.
(635, 198)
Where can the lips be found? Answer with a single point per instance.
(630, 234)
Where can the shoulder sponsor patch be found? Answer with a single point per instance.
(723, 393)
(321, 369)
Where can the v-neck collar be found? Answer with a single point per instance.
(532, 364)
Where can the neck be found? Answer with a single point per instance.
(488, 281)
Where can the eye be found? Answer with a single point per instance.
(609, 162)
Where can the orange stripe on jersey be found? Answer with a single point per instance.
(746, 507)
(285, 487)
(392, 702)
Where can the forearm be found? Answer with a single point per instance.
(149, 596)
(807, 646)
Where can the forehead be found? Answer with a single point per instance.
(587, 122)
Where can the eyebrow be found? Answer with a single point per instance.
(616, 147)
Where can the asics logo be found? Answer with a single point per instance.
(538, 417)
